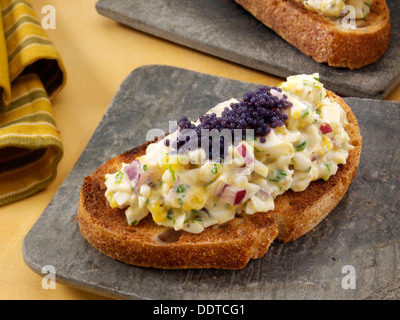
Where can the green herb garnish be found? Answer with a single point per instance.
(195, 216)
(172, 171)
(214, 169)
(329, 166)
(301, 146)
(277, 176)
(119, 176)
(170, 216)
(305, 113)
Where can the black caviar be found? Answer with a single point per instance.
(259, 110)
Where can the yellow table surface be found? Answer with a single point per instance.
(98, 53)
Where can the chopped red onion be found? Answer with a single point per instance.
(231, 195)
(245, 154)
(325, 128)
(136, 174)
(133, 169)
(263, 195)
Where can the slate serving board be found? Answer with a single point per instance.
(224, 29)
(363, 231)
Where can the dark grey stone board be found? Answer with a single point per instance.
(224, 29)
(363, 230)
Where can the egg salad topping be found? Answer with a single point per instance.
(189, 190)
(334, 8)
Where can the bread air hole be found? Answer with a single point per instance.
(168, 236)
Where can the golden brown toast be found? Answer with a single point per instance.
(227, 246)
(322, 38)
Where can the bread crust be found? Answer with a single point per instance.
(227, 246)
(322, 38)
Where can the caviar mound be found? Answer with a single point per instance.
(259, 110)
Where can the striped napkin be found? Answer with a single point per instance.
(31, 73)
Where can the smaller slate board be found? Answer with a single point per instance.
(363, 230)
(224, 29)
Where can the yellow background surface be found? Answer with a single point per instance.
(98, 54)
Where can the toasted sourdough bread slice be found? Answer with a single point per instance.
(324, 39)
(227, 246)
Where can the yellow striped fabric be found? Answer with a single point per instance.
(31, 73)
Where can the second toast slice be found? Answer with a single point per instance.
(323, 38)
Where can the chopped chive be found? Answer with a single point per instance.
(169, 214)
(145, 167)
(172, 171)
(180, 189)
(277, 176)
(329, 166)
(301, 146)
(119, 176)
(134, 223)
(305, 112)
(214, 169)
